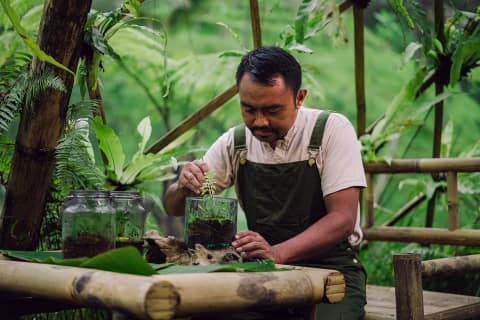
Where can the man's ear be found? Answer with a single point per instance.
(301, 94)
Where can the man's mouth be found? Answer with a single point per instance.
(263, 132)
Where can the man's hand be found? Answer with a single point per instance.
(251, 245)
(192, 176)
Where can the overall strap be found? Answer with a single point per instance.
(239, 143)
(317, 136)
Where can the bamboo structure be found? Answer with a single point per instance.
(255, 19)
(173, 295)
(450, 166)
(461, 237)
(359, 69)
(448, 266)
(426, 165)
(452, 194)
(192, 120)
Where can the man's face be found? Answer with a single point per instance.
(269, 111)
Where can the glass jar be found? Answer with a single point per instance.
(130, 216)
(210, 221)
(88, 224)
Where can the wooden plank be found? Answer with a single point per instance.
(437, 305)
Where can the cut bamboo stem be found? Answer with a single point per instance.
(427, 165)
(452, 195)
(462, 237)
(370, 202)
(359, 69)
(192, 120)
(173, 295)
(451, 265)
(255, 19)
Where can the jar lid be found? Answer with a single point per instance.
(88, 194)
(125, 194)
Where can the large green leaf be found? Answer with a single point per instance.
(111, 146)
(128, 260)
(251, 266)
(29, 41)
(122, 260)
(144, 128)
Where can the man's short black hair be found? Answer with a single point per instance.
(265, 63)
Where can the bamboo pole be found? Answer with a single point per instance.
(447, 266)
(192, 120)
(234, 291)
(408, 287)
(452, 195)
(255, 20)
(427, 165)
(173, 295)
(462, 237)
(138, 296)
(370, 202)
(359, 69)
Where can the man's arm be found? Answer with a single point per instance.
(189, 183)
(321, 236)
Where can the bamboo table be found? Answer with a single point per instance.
(172, 295)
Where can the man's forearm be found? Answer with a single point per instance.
(317, 239)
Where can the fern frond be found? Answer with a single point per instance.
(75, 168)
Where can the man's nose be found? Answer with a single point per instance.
(261, 120)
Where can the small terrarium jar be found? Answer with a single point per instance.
(130, 217)
(88, 224)
(210, 221)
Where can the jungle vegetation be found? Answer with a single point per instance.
(146, 66)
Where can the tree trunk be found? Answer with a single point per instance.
(60, 35)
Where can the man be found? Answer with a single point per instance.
(297, 173)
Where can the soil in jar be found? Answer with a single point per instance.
(211, 233)
(86, 245)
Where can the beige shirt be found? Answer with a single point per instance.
(338, 159)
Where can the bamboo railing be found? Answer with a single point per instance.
(452, 234)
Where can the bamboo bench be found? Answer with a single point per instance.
(408, 300)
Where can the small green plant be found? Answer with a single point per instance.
(211, 220)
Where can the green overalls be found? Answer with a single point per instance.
(282, 200)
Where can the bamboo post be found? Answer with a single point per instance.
(192, 120)
(452, 195)
(255, 20)
(447, 266)
(408, 287)
(359, 69)
(370, 201)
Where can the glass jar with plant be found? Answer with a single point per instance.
(210, 220)
(130, 218)
(88, 224)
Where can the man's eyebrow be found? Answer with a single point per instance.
(273, 106)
